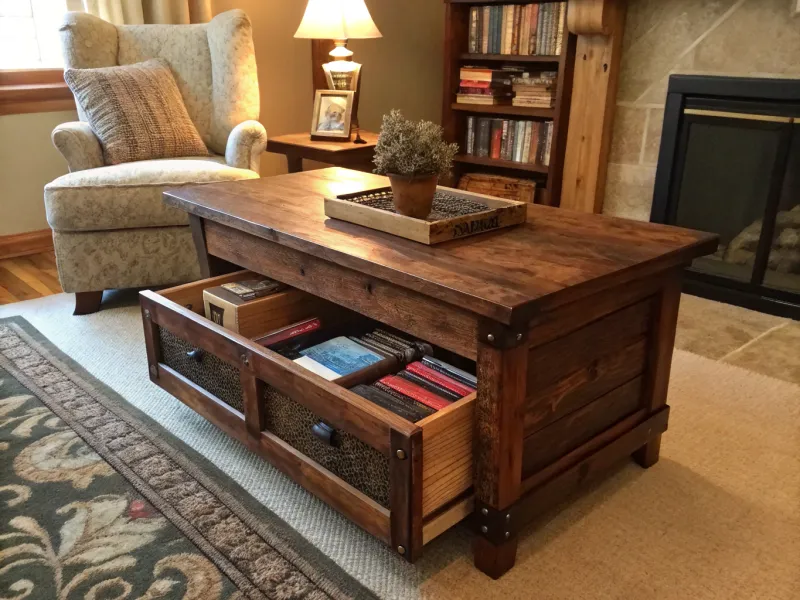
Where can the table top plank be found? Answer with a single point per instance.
(557, 256)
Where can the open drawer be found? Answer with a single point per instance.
(403, 482)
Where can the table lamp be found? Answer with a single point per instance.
(340, 20)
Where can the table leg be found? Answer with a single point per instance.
(662, 341)
(294, 163)
(494, 560)
(210, 266)
(498, 460)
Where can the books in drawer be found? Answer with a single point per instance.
(257, 316)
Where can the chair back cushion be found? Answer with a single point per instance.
(136, 112)
(213, 64)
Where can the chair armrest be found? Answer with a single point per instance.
(246, 142)
(78, 145)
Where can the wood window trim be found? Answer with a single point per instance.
(33, 91)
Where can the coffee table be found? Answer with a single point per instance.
(570, 319)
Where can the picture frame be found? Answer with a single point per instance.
(332, 115)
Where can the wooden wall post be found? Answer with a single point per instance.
(599, 25)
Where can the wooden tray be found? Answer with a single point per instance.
(498, 214)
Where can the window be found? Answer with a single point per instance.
(29, 32)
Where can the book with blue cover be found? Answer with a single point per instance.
(337, 357)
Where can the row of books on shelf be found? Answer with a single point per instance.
(513, 140)
(507, 86)
(382, 365)
(517, 29)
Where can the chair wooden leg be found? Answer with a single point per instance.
(87, 303)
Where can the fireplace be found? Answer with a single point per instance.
(729, 163)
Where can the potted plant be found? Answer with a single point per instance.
(413, 155)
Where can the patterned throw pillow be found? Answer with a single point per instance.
(136, 111)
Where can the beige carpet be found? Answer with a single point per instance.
(718, 517)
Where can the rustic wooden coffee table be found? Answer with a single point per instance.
(569, 317)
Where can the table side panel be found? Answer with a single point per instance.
(584, 382)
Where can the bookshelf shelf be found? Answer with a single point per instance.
(503, 164)
(518, 111)
(552, 60)
(455, 116)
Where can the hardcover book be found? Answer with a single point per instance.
(451, 371)
(517, 16)
(526, 142)
(473, 29)
(534, 28)
(485, 27)
(498, 29)
(337, 357)
(562, 18)
(497, 138)
(428, 385)
(253, 288)
(406, 408)
(422, 370)
(540, 29)
(415, 392)
(483, 137)
(504, 141)
(290, 332)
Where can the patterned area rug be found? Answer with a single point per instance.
(98, 501)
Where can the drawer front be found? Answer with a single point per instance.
(349, 458)
(358, 464)
(203, 368)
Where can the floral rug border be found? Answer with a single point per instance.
(273, 532)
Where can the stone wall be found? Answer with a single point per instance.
(662, 37)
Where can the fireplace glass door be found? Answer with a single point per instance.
(730, 165)
(725, 185)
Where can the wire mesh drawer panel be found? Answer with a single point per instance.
(359, 464)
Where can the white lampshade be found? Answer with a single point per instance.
(337, 20)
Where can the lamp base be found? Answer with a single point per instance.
(358, 139)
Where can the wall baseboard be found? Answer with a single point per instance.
(22, 244)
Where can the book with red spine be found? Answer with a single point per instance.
(496, 139)
(439, 378)
(415, 392)
(294, 330)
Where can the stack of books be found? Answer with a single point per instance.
(527, 30)
(535, 91)
(419, 390)
(481, 85)
(505, 139)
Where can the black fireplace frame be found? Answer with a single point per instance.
(770, 97)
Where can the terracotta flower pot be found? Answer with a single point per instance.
(413, 195)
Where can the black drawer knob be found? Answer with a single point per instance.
(326, 433)
(196, 354)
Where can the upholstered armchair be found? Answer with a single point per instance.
(110, 227)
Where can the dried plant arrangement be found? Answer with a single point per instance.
(413, 154)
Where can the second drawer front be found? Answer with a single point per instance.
(357, 463)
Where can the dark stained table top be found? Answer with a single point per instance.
(557, 256)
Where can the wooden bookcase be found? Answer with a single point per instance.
(454, 116)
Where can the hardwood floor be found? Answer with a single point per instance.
(28, 277)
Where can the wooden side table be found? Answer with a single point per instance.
(297, 146)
